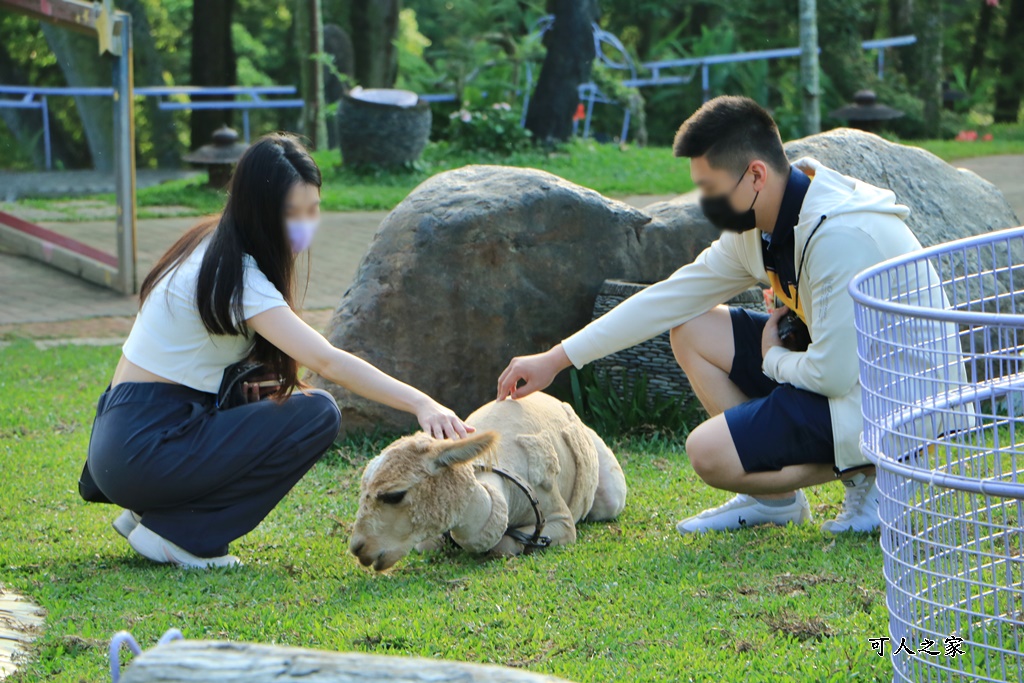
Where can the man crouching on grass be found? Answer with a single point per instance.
(781, 419)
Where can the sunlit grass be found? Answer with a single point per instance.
(630, 601)
(607, 168)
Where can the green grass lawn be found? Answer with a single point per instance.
(630, 601)
(609, 169)
(951, 150)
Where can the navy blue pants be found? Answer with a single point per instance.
(781, 425)
(202, 477)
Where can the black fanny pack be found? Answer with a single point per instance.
(232, 385)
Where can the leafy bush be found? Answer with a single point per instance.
(633, 411)
(492, 129)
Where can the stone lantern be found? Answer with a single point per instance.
(219, 156)
(865, 113)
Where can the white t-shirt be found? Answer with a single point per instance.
(168, 337)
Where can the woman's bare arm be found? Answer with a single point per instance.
(288, 332)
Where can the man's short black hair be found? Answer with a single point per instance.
(731, 132)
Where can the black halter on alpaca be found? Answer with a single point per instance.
(536, 540)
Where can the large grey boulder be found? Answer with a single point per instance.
(677, 232)
(484, 263)
(946, 203)
(475, 266)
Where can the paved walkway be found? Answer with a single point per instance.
(45, 294)
(1004, 171)
(33, 293)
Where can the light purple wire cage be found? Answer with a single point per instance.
(940, 336)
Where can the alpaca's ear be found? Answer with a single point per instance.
(455, 452)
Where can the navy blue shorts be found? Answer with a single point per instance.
(781, 425)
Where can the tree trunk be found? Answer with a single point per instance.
(977, 56)
(570, 55)
(338, 47)
(310, 40)
(929, 76)
(842, 57)
(1011, 75)
(82, 65)
(192, 661)
(811, 110)
(149, 70)
(901, 23)
(213, 63)
(374, 27)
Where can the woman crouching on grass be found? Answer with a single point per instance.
(193, 477)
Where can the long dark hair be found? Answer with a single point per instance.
(252, 223)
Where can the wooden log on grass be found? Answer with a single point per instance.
(195, 661)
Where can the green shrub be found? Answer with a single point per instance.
(631, 411)
(492, 129)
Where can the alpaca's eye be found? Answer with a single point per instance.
(391, 497)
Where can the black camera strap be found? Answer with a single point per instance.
(803, 254)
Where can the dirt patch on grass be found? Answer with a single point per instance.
(801, 628)
(791, 584)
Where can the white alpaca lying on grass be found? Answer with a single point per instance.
(479, 489)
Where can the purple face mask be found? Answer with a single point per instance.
(301, 232)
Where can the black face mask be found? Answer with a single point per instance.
(719, 211)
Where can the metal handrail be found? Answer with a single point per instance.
(29, 93)
(590, 93)
(589, 90)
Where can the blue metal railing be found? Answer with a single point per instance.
(29, 94)
(592, 94)
(254, 92)
(31, 97)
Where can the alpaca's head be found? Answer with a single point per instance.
(414, 490)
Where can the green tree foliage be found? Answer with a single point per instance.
(480, 51)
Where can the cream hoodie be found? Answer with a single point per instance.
(863, 226)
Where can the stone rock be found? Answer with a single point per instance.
(475, 266)
(214, 661)
(946, 203)
(484, 263)
(382, 135)
(677, 233)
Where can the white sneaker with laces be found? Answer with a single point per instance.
(860, 506)
(157, 548)
(743, 511)
(126, 522)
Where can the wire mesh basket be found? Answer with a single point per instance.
(940, 336)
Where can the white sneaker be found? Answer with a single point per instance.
(126, 522)
(157, 548)
(743, 511)
(860, 507)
